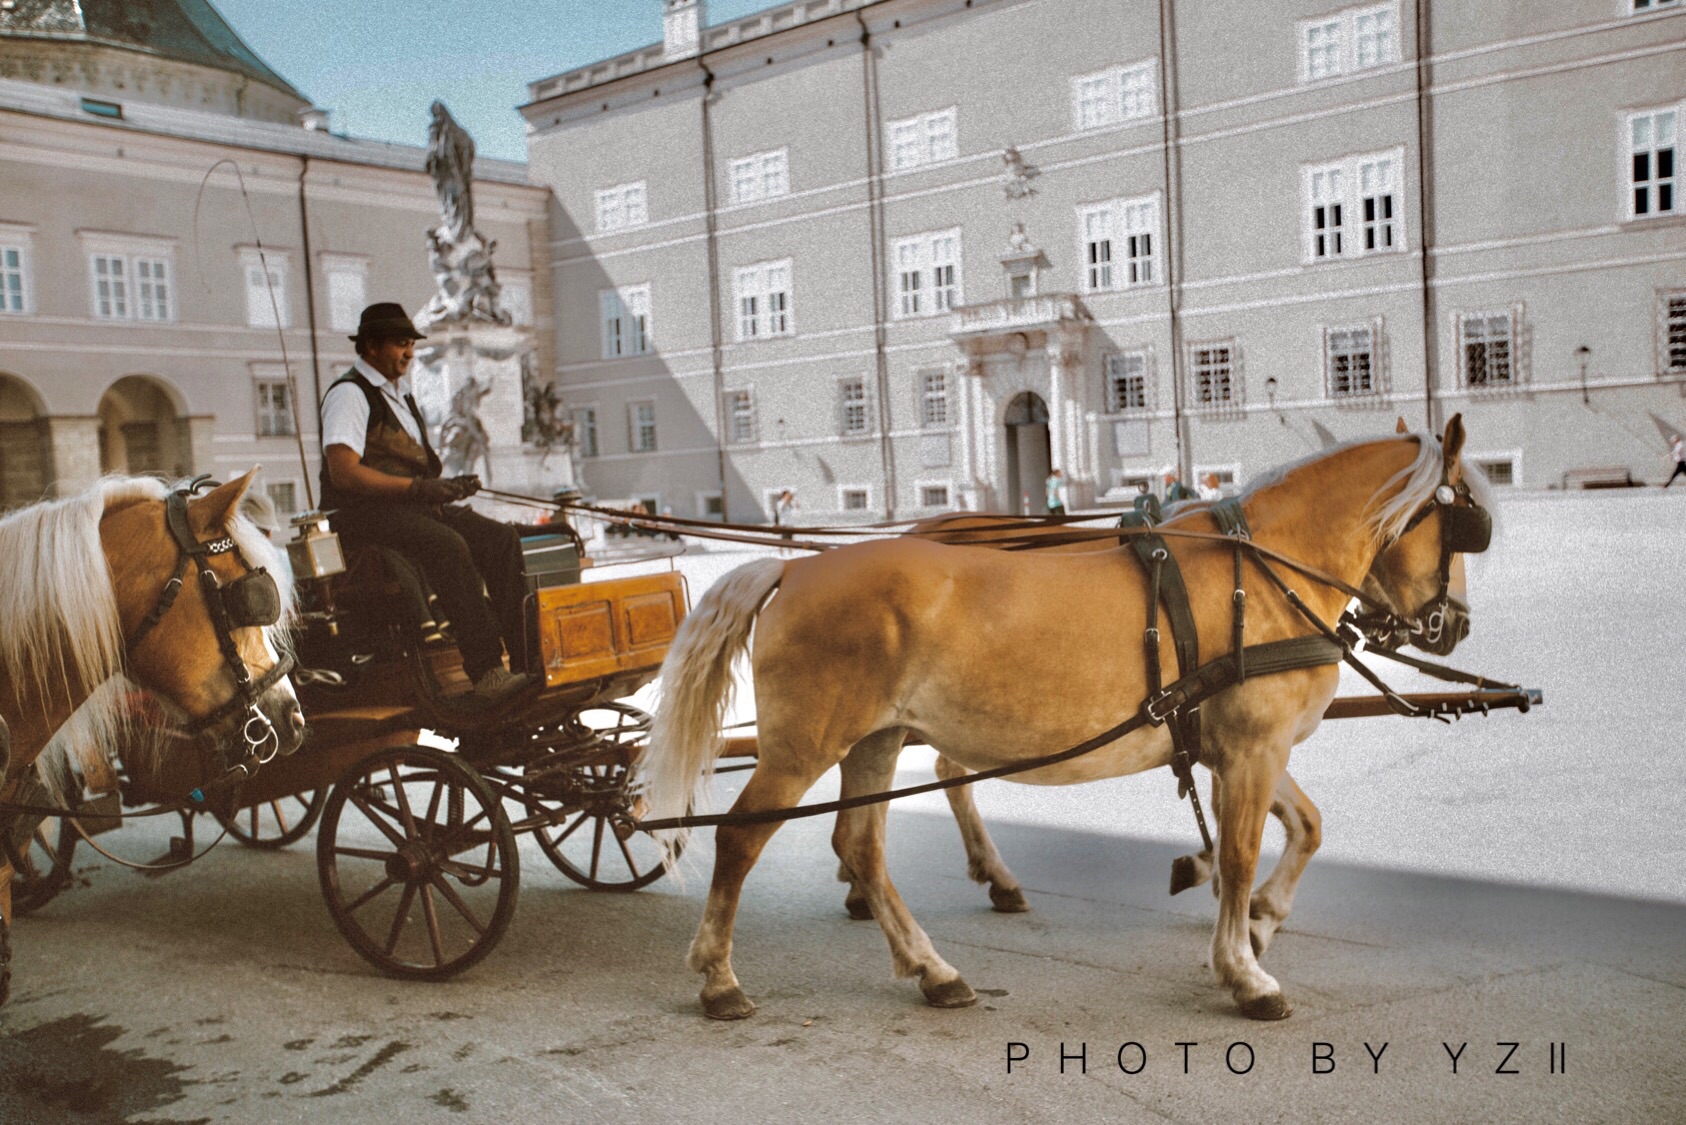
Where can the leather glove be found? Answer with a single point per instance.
(433, 491)
(466, 486)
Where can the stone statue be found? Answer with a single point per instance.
(460, 258)
(544, 426)
(1019, 174)
(463, 441)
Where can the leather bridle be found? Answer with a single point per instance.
(1465, 528)
(252, 600)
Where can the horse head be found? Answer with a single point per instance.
(1418, 574)
(200, 614)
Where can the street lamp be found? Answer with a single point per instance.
(1584, 353)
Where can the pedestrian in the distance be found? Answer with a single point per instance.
(783, 507)
(1175, 489)
(1055, 485)
(1677, 450)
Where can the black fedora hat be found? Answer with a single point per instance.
(386, 320)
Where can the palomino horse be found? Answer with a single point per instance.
(997, 657)
(98, 586)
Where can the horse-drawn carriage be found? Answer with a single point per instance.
(994, 657)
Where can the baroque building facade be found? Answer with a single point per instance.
(185, 248)
(908, 255)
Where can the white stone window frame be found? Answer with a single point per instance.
(1671, 337)
(1478, 459)
(133, 256)
(17, 283)
(758, 176)
(272, 375)
(703, 496)
(587, 442)
(1630, 147)
(761, 297)
(637, 427)
(1378, 360)
(1235, 401)
(352, 267)
(1345, 27)
(924, 138)
(843, 492)
(919, 490)
(1646, 7)
(264, 303)
(941, 398)
(622, 207)
(275, 488)
(738, 406)
(625, 321)
(1128, 92)
(1341, 183)
(934, 261)
(1124, 221)
(1147, 376)
(848, 403)
(1513, 315)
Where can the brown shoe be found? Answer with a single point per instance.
(499, 684)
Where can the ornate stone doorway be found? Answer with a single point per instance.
(1029, 452)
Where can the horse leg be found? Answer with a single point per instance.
(858, 840)
(1249, 782)
(983, 862)
(855, 901)
(1303, 826)
(736, 848)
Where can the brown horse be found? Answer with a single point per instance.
(82, 577)
(997, 657)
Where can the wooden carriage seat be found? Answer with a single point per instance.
(383, 578)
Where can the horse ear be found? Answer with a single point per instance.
(212, 511)
(1453, 442)
(1399, 427)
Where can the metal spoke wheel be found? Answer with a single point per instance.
(585, 846)
(277, 823)
(40, 863)
(418, 863)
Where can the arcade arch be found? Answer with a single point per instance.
(142, 429)
(26, 461)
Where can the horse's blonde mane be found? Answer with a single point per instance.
(59, 620)
(1399, 497)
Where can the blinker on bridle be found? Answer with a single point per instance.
(1465, 528)
(251, 601)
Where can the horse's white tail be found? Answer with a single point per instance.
(696, 688)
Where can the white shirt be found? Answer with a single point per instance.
(345, 412)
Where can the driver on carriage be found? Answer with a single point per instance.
(382, 481)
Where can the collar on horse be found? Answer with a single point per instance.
(252, 600)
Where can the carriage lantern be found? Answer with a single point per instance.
(315, 551)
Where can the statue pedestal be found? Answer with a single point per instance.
(491, 355)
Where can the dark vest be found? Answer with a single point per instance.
(387, 446)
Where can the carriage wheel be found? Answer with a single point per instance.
(277, 823)
(418, 863)
(585, 847)
(40, 864)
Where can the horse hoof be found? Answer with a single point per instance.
(1183, 874)
(859, 909)
(732, 1005)
(951, 994)
(1008, 900)
(1272, 1007)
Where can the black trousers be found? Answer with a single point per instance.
(456, 547)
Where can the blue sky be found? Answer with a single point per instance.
(377, 64)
